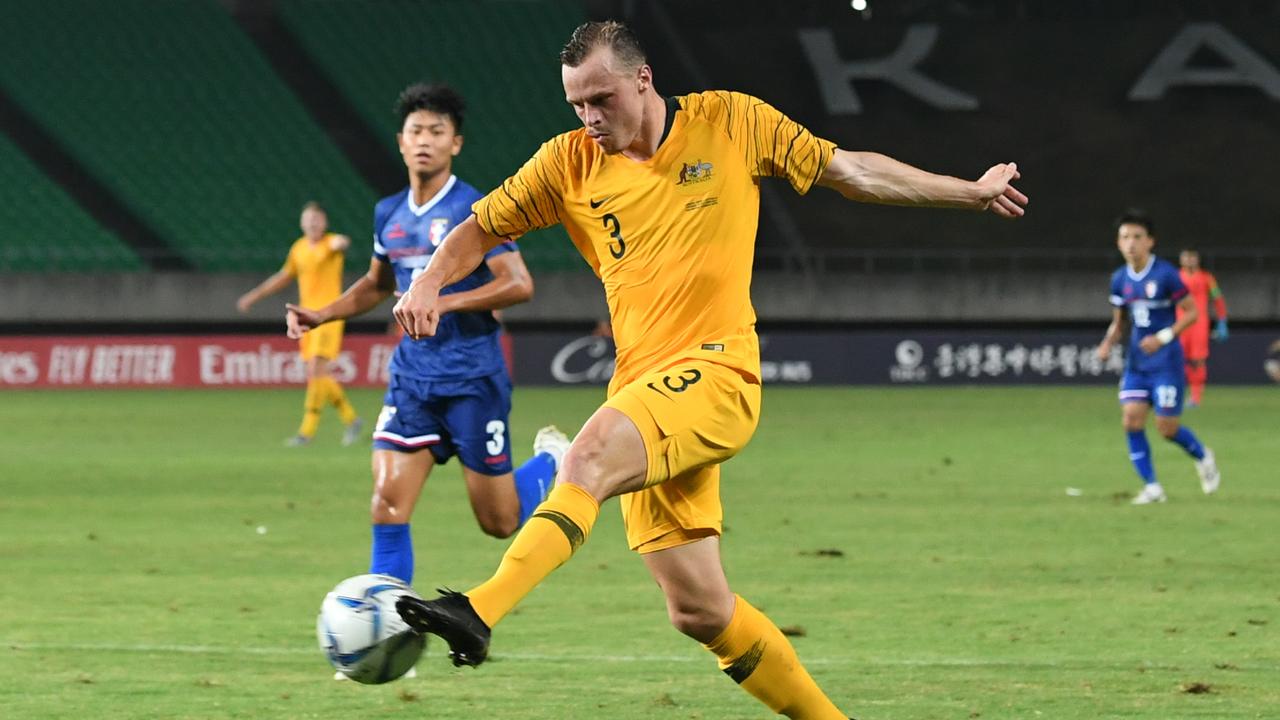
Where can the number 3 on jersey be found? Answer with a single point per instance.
(614, 227)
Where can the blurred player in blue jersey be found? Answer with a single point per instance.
(1148, 293)
(449, 394)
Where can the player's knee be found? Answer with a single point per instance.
(498, 524)
(699, 620)
(584, 465)
(383, 510)
(1168, 430)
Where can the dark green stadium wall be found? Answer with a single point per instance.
(501, 54)
(169, 105)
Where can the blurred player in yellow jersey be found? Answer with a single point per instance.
(315, 261)
(661, 196)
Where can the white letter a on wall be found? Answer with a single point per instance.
(1245, 67)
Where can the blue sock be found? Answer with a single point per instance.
(392, 552)
(1140, 455)
(1189, 442)
(533, 482)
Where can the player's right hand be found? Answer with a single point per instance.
(1104, 352)
(417, 312)
(298, 320)
(997, 193)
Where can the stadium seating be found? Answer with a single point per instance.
(373, 51)
(42, 229)
(174, 109)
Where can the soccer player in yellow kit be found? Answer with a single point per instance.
(661, 196)
(315, 260)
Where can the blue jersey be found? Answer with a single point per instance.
(405, 235)
(1150, 297)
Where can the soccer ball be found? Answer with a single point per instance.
(361, 633)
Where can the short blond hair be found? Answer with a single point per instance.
(609, 33)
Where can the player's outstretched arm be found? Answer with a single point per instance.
(272, 285)
(418, 310)
(339, 243)
(875, 178)
(511, 285)
(364, 295)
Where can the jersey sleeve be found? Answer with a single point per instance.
(1117, 298)
(470, 197)
(528, 200)
(772, 144)
(290, 266)
(381, 212)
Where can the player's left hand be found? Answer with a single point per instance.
(997, 194)
(1150, 344)
(418, 312)
(1220, 333)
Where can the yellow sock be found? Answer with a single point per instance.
(758, 657)
(311, 408)
(338, 398)
(558, 526)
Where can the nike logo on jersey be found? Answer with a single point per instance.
(597, 203)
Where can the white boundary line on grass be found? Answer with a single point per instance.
(960, 662)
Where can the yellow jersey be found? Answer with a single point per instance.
(671, 238)
(318, 269)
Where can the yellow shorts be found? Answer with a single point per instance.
(693, 416)
(324, 342)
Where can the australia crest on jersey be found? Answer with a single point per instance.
(694, 172)
(1151, 288)
(438, 229)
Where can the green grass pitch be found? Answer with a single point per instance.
(922, 541)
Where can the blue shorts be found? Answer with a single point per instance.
(1161, 390)
(467, 418)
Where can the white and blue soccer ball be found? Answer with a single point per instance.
(361, 633)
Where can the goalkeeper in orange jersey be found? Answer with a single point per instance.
(661, 196)
(1204, 289)
(315, 261)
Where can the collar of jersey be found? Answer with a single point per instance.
(422, 209)
(1129, 271)
(672, 105)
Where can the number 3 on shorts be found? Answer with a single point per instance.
(1166, 396)
(497, 437)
